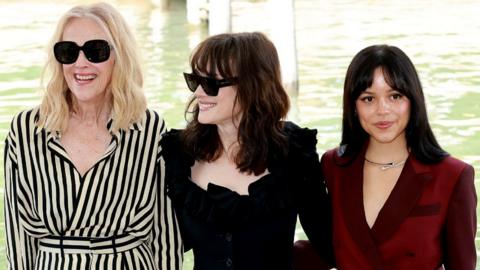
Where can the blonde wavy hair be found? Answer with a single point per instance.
(128, 101)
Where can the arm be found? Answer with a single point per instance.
(21, 248)
(315, 215)
(311, 195)
(461, 224)
(167, 244)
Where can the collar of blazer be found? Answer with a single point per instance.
(404, 196)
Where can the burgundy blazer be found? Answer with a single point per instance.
(428, 221)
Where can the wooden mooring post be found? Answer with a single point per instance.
(219, 17)
(283, 35)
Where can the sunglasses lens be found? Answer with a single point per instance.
(191, 81)
(96, 51)
(66, 52)
(210, 86)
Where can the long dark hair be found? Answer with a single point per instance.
(253, 60)
(401, 75)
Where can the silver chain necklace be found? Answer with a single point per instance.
(386, 166)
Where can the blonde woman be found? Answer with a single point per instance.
(84, 179)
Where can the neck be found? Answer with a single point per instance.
(229, 137)
(395, 151)
(92, 112)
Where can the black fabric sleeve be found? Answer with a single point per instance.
(311, 197)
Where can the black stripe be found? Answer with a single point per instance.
(116, 196)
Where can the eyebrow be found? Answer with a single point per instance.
(372, 93)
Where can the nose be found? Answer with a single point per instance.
(383, 106)
(199, 91)
(81, 60)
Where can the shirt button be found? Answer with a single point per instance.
(229, 262)
(228, 237)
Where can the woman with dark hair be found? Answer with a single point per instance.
(399, 200)
(238, 174)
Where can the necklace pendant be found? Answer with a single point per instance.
(386, 167)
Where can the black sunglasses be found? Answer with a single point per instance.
(96, 51)
(210, 85)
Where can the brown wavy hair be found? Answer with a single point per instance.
(253, 60)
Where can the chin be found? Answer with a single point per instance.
(204, 121)
(385, 139)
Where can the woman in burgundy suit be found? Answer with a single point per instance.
(399, 200)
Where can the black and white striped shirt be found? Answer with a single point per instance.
(117, 216)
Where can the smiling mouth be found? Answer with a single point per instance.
(383, 124)
(206, 106)
(85, 78)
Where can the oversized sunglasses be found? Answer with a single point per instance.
(210, 85)
(96, 51)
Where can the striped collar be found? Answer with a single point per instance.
(136, 126)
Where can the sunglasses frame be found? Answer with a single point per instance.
(210, 85)
(91, 50)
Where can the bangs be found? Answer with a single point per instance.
(396, 80)
(215, 57)
(390, 73)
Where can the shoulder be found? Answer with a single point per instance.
(24, 121)
(452, 167)
(150, 123)
(330, 158)
(22, 129)
(331, 153)
(335, 155)
(302, 156)
(171, 144)
(152, 117)
(453, 162)
(171, 137)
(300, 138)
(447, 173)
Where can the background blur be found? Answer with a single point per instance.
(441, 37)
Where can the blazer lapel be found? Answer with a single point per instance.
(351, 188)
(402, 199)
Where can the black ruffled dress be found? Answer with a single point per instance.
(256, 231)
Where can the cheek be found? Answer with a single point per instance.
(236, 106)
(228, 97)
(106, 67)
(364, 116)
(404, 111)
(362, 112)
(66, 70)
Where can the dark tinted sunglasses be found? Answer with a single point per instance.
(210, 85)
(96, 51)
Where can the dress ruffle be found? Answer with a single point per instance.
(270, 194)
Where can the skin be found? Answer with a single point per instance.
(383, 113)
(86, 80)
(222, 111)
(219, 110)
(87, 137)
